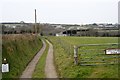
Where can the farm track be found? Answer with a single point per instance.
(27, 73)
(49, 67)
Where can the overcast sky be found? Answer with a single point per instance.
(60, 11)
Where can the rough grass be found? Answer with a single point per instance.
(65, 62)
(19, 50)
(0, 54)
(40, 68)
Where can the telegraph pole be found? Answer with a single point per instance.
(35, 22)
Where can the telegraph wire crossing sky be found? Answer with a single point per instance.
(60, 11)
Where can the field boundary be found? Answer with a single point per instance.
(90, 61)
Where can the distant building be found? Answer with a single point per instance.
(61, 34)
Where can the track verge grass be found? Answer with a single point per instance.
(19, 50)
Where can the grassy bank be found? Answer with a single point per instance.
(19, 50)
(40, 68)
(63, 52)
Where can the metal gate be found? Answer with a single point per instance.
(95, 54)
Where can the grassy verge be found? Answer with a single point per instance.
(40, 68)
(19, 50)
(65, 62)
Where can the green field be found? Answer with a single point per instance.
(19, 50)
(64, 61)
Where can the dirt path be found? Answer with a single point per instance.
(49, 67)
(27, 73)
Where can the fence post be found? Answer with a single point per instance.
(75, 55)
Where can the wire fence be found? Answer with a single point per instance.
(66, 46)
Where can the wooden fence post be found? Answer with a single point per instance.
(75, 55)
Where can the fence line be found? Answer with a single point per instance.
(91, 59)
(66, 46)
(94, 53)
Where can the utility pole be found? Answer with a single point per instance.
(35, 22)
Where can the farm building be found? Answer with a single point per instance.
(89, 32)
(60, 34)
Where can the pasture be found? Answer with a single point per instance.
(94, 55)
